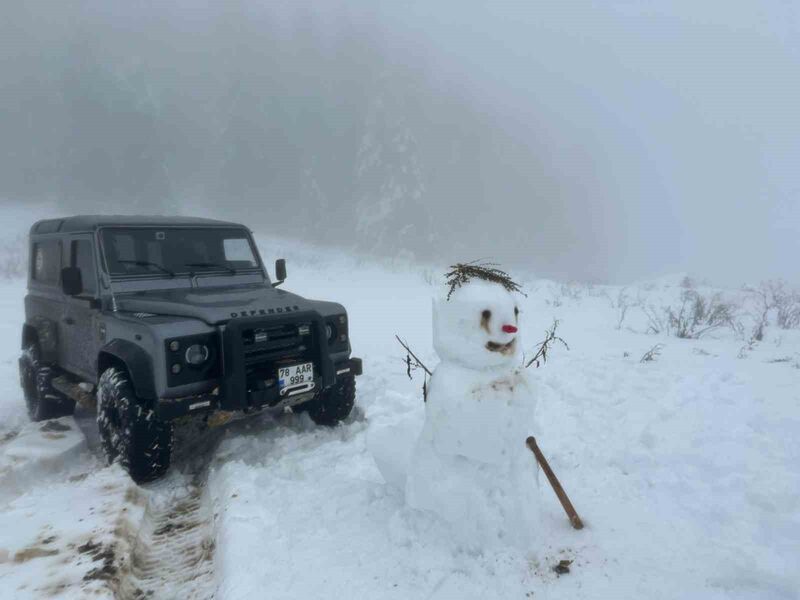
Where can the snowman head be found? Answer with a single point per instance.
(478, 327)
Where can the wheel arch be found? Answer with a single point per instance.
(134, 361)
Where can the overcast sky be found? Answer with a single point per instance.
(680, 120)
(596, 140)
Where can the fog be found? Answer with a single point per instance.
(594, 141)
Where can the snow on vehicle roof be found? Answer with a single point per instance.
(79, 223)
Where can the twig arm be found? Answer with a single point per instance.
(544, 347)
(419, 363)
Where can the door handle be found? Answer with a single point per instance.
(69, 320)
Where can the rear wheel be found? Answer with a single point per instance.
(333, 405)
(36, 379)
(129, 431)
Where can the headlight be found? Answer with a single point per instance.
(197, 354)
(336, 329)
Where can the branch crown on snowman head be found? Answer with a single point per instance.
(462, 273)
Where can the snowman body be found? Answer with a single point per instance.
(470, 465)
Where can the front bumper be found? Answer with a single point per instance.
(168, 409)
(350, 367)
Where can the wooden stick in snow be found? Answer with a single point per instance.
(551, 477)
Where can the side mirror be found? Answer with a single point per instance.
(71, 281)
(280, 271)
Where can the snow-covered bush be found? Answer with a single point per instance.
(656, 322)
(622, 304)
(13, 257)
(652, 354)
(789, 314)
(698, 315)
(776, 298)
(695, 315)
(787, 305)
(572, 290)
(763, 300)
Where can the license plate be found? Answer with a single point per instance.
(296, 376)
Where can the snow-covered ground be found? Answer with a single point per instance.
(685, 470)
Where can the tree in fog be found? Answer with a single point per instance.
(392, 209)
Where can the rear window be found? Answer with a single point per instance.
(46, 261)
(167, 251)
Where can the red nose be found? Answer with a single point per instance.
(509, 329)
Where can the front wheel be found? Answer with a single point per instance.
(333, 405)
(129, 431)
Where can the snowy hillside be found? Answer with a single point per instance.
(684, 468)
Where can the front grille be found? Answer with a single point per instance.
(266, 347)
(254, 348)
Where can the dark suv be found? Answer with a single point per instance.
(158, 318)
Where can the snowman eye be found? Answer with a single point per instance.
(485, 316)
(516, 311)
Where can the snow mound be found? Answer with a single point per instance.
(38, 449)
(71, 539)
(391, 446)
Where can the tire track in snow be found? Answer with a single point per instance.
(172, 554)
(169, 553)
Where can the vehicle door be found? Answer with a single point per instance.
(44, 303)
(80, 324)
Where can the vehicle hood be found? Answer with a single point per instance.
(216, 305)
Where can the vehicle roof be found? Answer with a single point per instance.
(84, 223)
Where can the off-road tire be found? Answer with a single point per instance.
(129, 430)
(36, 378)
(333, 405)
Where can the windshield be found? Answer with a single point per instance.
(168, 251)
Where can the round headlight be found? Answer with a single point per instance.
(329, 331)
(197, 354)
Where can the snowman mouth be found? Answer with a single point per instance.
(502, 348)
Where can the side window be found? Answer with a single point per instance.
(46, 261)
(81, 257)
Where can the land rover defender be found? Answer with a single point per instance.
(153, 319)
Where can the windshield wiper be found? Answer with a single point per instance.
(147, 263)
(230, 270)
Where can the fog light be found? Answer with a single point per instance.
(343, 337)
(174, 345)
(197, 354)
(176, 368)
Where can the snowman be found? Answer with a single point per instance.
(470, 465)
